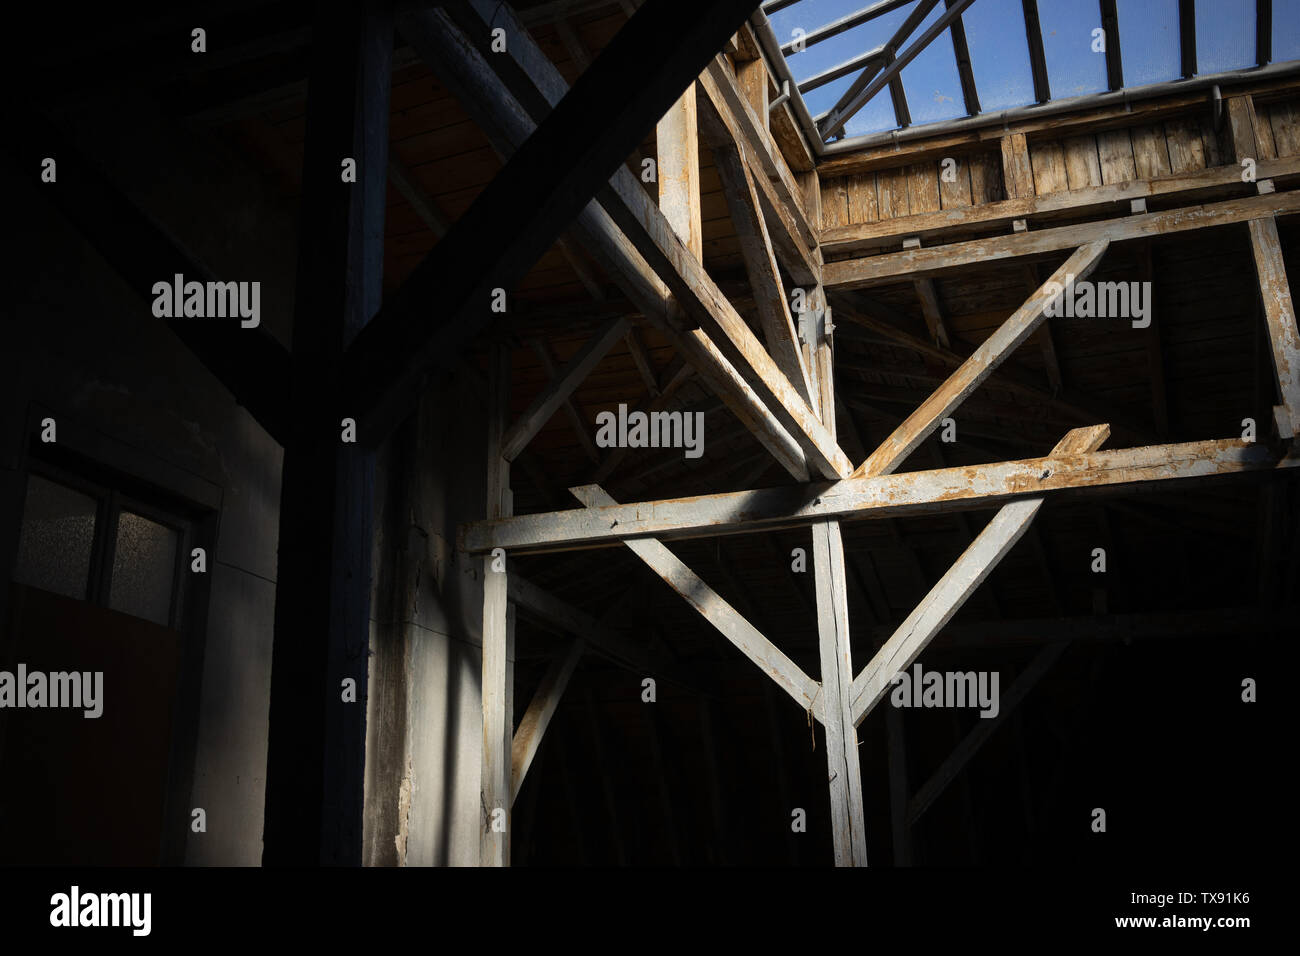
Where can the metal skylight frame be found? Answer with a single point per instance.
(882, 66)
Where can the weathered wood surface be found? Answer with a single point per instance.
(848, 829)
(967, 573)
(919, 263)
(677, 144)
(507, 124)
(1021, 324)
(494, 842)
(868, 233)
(1017, 171)
(729, 622)
(760, 266)
(1279, 313)
(946, 489)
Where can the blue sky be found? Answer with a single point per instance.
(995, 34)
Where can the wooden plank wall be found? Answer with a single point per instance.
(1171, 147)
(909, 190)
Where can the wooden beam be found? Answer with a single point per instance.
(848, 829)
(950, 593)
(677, 144)
(933, 312)
(760, 266)
(315, 770)
(532, 727)
(1279, 313)
(558, 390)
(1017, 172)
(933, 227)
(794, 237)
(547, 182)
(729, 622)
(923, 492)
(970, 744)
(645, 368)
(976, 369)
(918, 263)
(576, 423)
(726, 330)
(495, 789)
(467, 73)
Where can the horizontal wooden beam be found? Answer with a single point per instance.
(729, 622)
(898, 495)
(859, 237)
(1008, 336)
(918, 263)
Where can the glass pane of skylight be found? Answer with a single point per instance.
(1072, 68)
(999, 54)
(1150, 46)
(930, 81)
(876, 116)
(847, 45)
(1286, 30)
(1225, 35)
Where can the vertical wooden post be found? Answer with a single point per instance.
(494, 805)
(1017, 174)
(844, 773)
(677, 143)
(316, 743)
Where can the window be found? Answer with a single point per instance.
(96, 544)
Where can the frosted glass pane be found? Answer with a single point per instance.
(144, 567)
(57, 534)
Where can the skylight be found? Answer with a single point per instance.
(871, 66)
